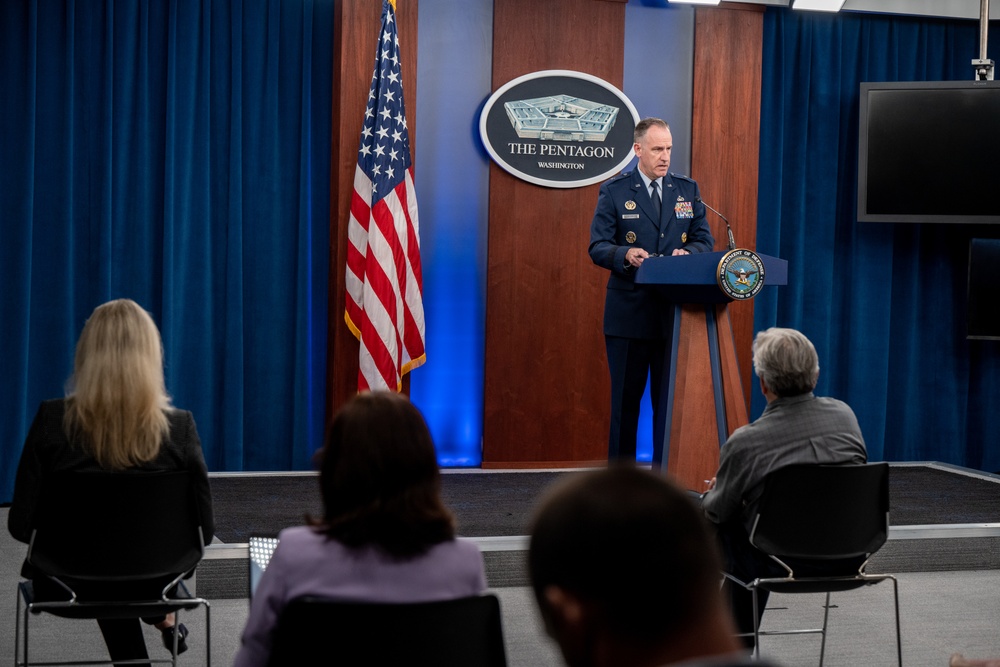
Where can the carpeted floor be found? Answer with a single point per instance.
(501, 503)
(925, 495)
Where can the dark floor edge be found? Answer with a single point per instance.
(949, 467)
(444, 471)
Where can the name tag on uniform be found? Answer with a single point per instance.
(630, 216)
(682, 209)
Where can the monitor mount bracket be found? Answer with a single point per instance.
(983, 65)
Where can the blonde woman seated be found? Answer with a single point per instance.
(386, 535)
(116, 417)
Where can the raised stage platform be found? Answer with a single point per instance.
(942, 518)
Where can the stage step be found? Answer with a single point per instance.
(935, 548)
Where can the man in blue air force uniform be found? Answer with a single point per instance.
(640, 214)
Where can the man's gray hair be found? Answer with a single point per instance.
(786, 361)
(643, 126)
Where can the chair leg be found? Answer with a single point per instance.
(177, 636)
(756, 626)
(17, 630)
(822, 641)
(208, 635)
(27, 614)
(899, 637)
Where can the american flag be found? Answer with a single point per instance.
(384, 287)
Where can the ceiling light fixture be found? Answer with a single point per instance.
(818, 5)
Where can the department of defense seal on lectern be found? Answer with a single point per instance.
(740, 274)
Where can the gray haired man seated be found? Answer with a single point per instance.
(626, 573)
(796, 427)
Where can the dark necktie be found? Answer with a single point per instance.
(656, 198)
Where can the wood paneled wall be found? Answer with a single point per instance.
(725, 136)
(546, 381)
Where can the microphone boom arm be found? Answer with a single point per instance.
(729, 229)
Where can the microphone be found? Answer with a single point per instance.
(729, 230)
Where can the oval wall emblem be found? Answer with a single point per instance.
(559, 128)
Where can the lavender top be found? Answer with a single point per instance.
(308, 563)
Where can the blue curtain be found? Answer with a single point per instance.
(884, 303)
(177, 153)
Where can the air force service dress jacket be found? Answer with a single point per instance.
(625, 219)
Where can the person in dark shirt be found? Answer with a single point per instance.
(116, 417)
(643, 213)
(796, 427)
(626, 573)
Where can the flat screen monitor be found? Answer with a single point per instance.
(929, 151)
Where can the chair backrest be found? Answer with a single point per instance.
(823, 511)
(448, 633)
(116, 526)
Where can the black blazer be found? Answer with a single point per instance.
(47, 451)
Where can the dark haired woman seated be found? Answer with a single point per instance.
(386, 535)
(116, 417)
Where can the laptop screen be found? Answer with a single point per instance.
(261, 548)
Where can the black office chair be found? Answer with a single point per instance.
(449, 633)
(113, 528)
(817, 513)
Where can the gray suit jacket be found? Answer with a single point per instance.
(792, 430)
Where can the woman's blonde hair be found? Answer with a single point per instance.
(117, 397)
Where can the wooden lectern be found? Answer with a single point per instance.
(705, 395)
